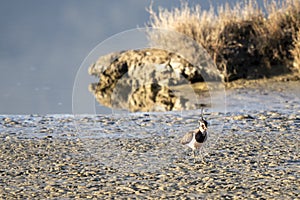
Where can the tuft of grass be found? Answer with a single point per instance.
(243, 40)
(296, 52)
(282, 24)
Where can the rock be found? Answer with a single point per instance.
(152, 97)
(140, 80)
(135, 59)
(241, 117)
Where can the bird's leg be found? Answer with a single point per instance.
(194, 156)
(198, 153)
(187, 154)
(201, 154)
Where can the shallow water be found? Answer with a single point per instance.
(280, 96)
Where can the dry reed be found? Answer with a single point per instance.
(243, 40)
(296, 53)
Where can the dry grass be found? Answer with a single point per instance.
(296, 53)
(242, 40)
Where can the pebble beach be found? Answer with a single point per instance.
(252, 152)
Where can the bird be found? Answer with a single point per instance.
(195, 138)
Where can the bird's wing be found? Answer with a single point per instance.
(187, 137)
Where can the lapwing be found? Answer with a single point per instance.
(195, 139)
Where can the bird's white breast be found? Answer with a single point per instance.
(193, 143)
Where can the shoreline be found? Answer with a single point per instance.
(295, 77)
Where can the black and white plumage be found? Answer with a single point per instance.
(195, 139)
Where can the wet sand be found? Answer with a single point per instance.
(251, 153)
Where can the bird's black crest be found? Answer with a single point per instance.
(202, 118)
(202, 113)
(204, 121)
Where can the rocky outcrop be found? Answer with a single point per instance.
(141, 80)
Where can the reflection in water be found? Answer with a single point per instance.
(147, 80)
